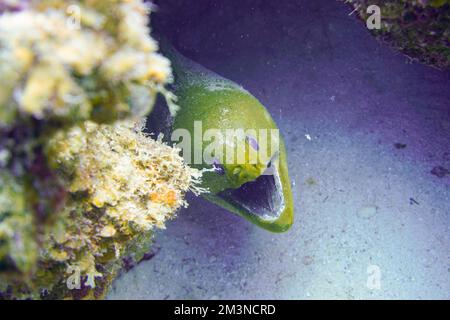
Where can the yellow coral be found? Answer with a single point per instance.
(90, 186)
(128, 184)
(50, 67)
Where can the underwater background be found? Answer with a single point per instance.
(368, 139)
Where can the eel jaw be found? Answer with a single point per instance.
(262, 197)
(262, 201)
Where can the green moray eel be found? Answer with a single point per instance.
(232, 137)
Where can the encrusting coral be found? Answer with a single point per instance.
(81, 187)
(105, 68)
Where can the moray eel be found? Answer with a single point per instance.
(232, 137)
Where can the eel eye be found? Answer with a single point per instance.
(252, 142)
(218, 168)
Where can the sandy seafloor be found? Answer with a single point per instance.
(361, 201)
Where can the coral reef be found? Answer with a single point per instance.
(81, 187)
(418, 28)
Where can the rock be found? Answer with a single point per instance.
(367, 212)
(440, 171)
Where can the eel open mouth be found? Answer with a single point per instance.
(266, 201)
(262, 197)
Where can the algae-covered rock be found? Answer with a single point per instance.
(418, 28)
(79, 60)
(119, 185)
(81, 187)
